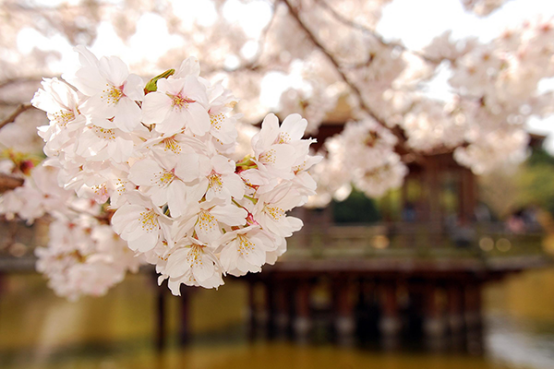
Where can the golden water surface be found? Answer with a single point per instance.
(38, 329)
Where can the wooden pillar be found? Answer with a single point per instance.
(160, 322)
(455, 307)
(433, 324)
(344, 305)
(367, 310)
(416, 312)
(302, 320)
(473, 319)
(282, 308)
(2, 287)
(251, 308)
(390, 318)
(2, 282)
(473, 307)
(269, 307)
(184, 313)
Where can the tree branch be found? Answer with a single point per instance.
(11, 118)
(8, 182)
(294, 13)
(18, 80)
(347, 22)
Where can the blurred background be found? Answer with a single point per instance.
(449, 267)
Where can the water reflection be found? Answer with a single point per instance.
(521, 343)
(38, 329)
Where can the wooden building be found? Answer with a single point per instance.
(419, 272)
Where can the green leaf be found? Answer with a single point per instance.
(152, 86)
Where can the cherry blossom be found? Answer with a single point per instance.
(206, 219)
(165, 183)
(113, 91)
(191, 262)
(140, 223)
(178, 103)
(270, 210)
(180, 187)
(244, 250)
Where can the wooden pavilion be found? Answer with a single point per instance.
(421, 272)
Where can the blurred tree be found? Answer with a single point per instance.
(356, 209)
(536, 181)
(529, 184)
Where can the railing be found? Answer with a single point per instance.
(414, 240)
(395, 240)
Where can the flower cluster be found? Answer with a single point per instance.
(362, 154)
(162, 154)
(83, 256)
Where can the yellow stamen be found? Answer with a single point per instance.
(283, 138)
(206, 221)
(63, 118)
(164, 178)
(216, 119)
(180, 101)
(275, 212)
(172, 145)
(268, 157)
(215, 181)
(149, 220)
(104, 133)
(112, 94)
(245, 245)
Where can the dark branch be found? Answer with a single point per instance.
(294, 13)
(20, 109)
(347, 22)
(13, 81)
(8, 182)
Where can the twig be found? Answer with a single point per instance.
(396, 129)
(105, 217)
(18, 80)
(8, 182)
(294, 13)
(339, 17)
(20, 109)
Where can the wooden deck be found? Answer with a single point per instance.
(411, 274)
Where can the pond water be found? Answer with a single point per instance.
(38, 329)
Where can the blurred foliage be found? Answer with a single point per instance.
(529, 184)
(537, 185)
(356, 209)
